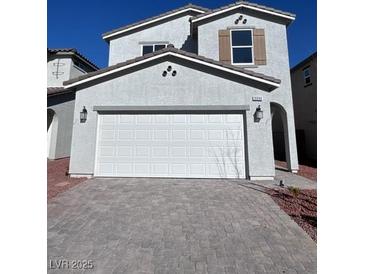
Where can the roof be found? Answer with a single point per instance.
(118, 31)
(244, 4)
(306, 60)
(75, 52)
(171, 51)
(52, 91)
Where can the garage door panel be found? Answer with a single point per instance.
(161, 119)
(124, 168)
(141, 169)
(125, 151)
(106, 168)
(144, 119)
(107, 134)
(197, 151)
(166, 145)
(126, 134)
(160, 168)
(160, 134)
(160, 151)
(107, 151)
(108, 119)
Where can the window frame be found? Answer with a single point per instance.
(252, 47)
(308, 68)
(153, 46)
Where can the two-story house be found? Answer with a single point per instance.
(187, 94)
(62, 65)
(304, 87)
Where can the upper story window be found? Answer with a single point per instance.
(307, 76)
(242, 47)
(151, 48)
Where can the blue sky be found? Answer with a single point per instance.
(79, 24)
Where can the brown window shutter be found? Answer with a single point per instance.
(259, 46)
(224, 46)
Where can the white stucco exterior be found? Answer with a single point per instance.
(175, 31)
(194, 85)
(61, 66)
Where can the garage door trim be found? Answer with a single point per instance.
(231, 109)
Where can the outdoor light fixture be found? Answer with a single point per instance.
(164, 73)
(236, 22)
(259, 114)
(240, 18)
(174, 73)
(83, 115)
(244, 21)
(169, 68)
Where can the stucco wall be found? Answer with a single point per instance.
(75, 71)
(63, 106)
(277, 60)
(175, 31)
(305, 106)
(64, 67)
(189, 87)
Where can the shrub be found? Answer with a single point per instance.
(294, 190)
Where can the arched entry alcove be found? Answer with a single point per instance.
(279, 121)
(52, 127)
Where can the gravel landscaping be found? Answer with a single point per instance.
(300, 205)
(58, 180)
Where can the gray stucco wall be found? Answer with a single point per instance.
(63, 106)
(55, 78)
(191, 86)
(175, 31)
(75, 71)
(277, 60)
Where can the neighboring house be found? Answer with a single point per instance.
(187, 94)
(304, 88)
(62, 65)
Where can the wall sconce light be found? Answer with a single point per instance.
(174, 73)
(259, 114)
(169, 68)
(83, 115)
(164, 73)
(244, 21)
(240, 18)
(236, 22)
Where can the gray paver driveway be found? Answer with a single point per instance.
(175, 226)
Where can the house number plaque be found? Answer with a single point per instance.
(257, 98)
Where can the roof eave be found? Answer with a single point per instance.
(269, 81)
(107, 36)
(75, 54)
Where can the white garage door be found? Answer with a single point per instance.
(170, 145)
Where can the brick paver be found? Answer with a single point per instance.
(175, 226)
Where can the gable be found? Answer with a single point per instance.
(244, 6)
(147, 86)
